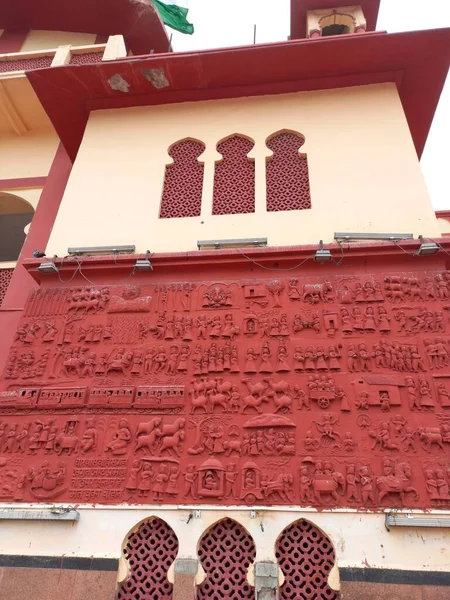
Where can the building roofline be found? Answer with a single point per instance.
(137, 20)
(417, 62)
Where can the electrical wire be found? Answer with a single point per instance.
(79, 263)
(403, 250)
(258, 264)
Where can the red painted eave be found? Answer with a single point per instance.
(397, 255)
(137, 20)
(416, 61)
(299, 8)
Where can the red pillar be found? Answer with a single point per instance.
(37, 238)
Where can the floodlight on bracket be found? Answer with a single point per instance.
(322, 255)
(48, 267)
(144, 264)
(427, 248)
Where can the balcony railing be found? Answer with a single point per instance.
(17, 63)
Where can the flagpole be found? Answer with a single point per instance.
(254, 33)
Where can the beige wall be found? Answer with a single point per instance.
(30, 155)
(359, 539)
(42, 40)
(364, 172)
(444, 225)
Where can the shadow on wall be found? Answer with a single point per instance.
(15, 215)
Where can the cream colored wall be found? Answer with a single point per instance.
(364, 171)
(42, 40)
(444, 225)
(359, 539)
(30, 155)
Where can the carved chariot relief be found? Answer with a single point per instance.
(322, 391)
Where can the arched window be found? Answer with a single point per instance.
(306, 557)
(150, 551)
(287, 174)
(226, 551)
(336, 24)
(15, 215)
(234, 177)
(183, 181)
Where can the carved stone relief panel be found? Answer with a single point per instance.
(307, 391)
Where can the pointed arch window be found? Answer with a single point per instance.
(150, 551)
(287, 176)
(234, 177)
(226, 551)
(183, 181)
(306, 556)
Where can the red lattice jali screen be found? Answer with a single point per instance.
(183, 183)
(5, 278)
(287, 174)
(25, 64)
(86, 58)
(306, 557)
(234, 178)
(150, 552)
(226, 551)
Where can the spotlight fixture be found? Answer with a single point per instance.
(237, 243)
(412, 520)
(389, 237)
(321, 254)
(56, 513)
(101, 250)
(144, 264)
(48, 267)
(427, 248)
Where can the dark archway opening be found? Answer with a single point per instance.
(15, 215)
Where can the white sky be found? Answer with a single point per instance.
(220, 23)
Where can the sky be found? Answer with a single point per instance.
(221, 23)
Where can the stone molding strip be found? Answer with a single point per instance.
(77, 563)
(395, 576)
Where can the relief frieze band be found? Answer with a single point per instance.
(316, 391)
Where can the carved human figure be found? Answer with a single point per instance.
(306, 492)
(22, 439)
(132, 481)
(190, 477)
(172, 482)
(367, 487)
(90, 437)
(121, 439)
(231, 476)
(146, 480)
(10, 439)
(351, 480)
(408, 439)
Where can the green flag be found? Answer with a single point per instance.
(174, 16)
